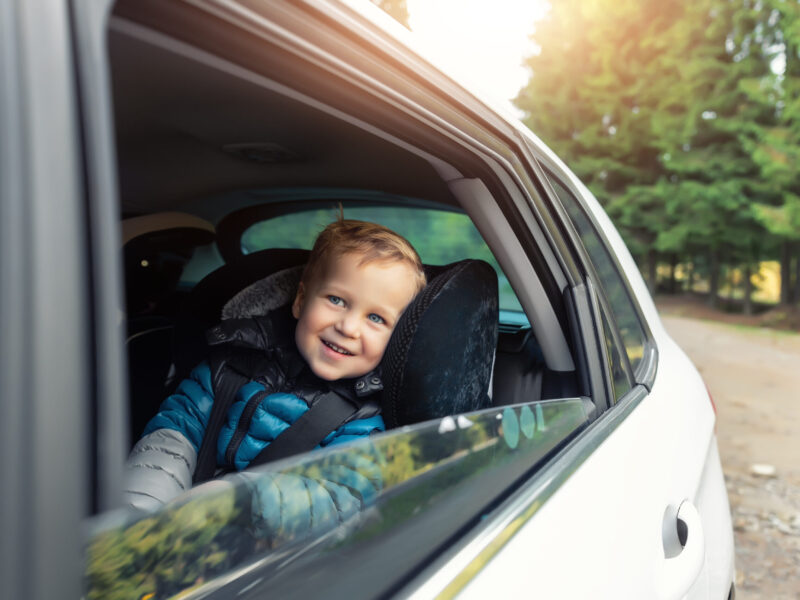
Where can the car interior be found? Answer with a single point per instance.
(225, 175)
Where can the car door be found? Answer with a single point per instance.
(608, 530)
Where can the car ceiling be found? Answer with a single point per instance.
(176, 108)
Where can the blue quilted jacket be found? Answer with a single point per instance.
(187, 411)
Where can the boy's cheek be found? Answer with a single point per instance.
(384, 343)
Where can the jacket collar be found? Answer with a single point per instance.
(274, 332)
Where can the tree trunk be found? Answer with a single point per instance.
(797, 275)
(786, 272)
(748, 291)
(673, 263)
(713, 278)
(731, 285)
(652, 263)
(690, 275)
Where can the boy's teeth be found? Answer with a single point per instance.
(337, 348)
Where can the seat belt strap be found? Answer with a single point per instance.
(327, 414)
(225, 389)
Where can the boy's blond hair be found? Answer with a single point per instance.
(373, 242)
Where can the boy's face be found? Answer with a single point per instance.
(347, 313)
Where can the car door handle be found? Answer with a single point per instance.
(684, 550)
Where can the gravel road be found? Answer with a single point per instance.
(754, 378)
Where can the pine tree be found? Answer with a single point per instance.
(774, 143)
(642, 99)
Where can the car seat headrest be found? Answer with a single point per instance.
(451, 324)
(134, 227)
(269, 293)
(203, 307)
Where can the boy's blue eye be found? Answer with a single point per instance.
(335, 300)
(376, 318)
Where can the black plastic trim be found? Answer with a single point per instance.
(591, 366)
(641, 376)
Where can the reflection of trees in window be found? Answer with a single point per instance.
(169, 551)
(324, 500)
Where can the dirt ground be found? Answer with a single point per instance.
(754, 377)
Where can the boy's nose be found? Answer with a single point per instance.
(348, 325)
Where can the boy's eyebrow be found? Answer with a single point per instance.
(333, 288)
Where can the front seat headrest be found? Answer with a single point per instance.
(439, 359)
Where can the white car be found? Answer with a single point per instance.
(198, 136)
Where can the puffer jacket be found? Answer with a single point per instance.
(280, 389)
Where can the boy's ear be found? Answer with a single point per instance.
(297, 305)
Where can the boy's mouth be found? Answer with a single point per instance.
(336, 348)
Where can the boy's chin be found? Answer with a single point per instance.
(329, 374)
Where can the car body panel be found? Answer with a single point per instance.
(619, 494)
(649, 462)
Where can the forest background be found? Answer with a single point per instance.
(683, 118)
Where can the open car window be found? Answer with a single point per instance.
(378, 509)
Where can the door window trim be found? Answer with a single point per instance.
(645, 371)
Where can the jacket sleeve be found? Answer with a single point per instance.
(161, 464)
(313, 498)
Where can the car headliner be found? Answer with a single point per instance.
(178, 111)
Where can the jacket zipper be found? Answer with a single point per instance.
(243, 426)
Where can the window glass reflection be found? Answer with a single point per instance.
(408, 489)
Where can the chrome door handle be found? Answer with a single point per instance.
(684, 550)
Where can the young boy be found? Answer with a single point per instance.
(359, 279)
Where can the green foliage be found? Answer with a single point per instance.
(672, 114)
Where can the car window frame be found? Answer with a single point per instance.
(644, 374)
(495, 153)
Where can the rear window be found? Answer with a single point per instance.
(440, 237)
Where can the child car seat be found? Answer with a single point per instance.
(439, 359)
(203, 306)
